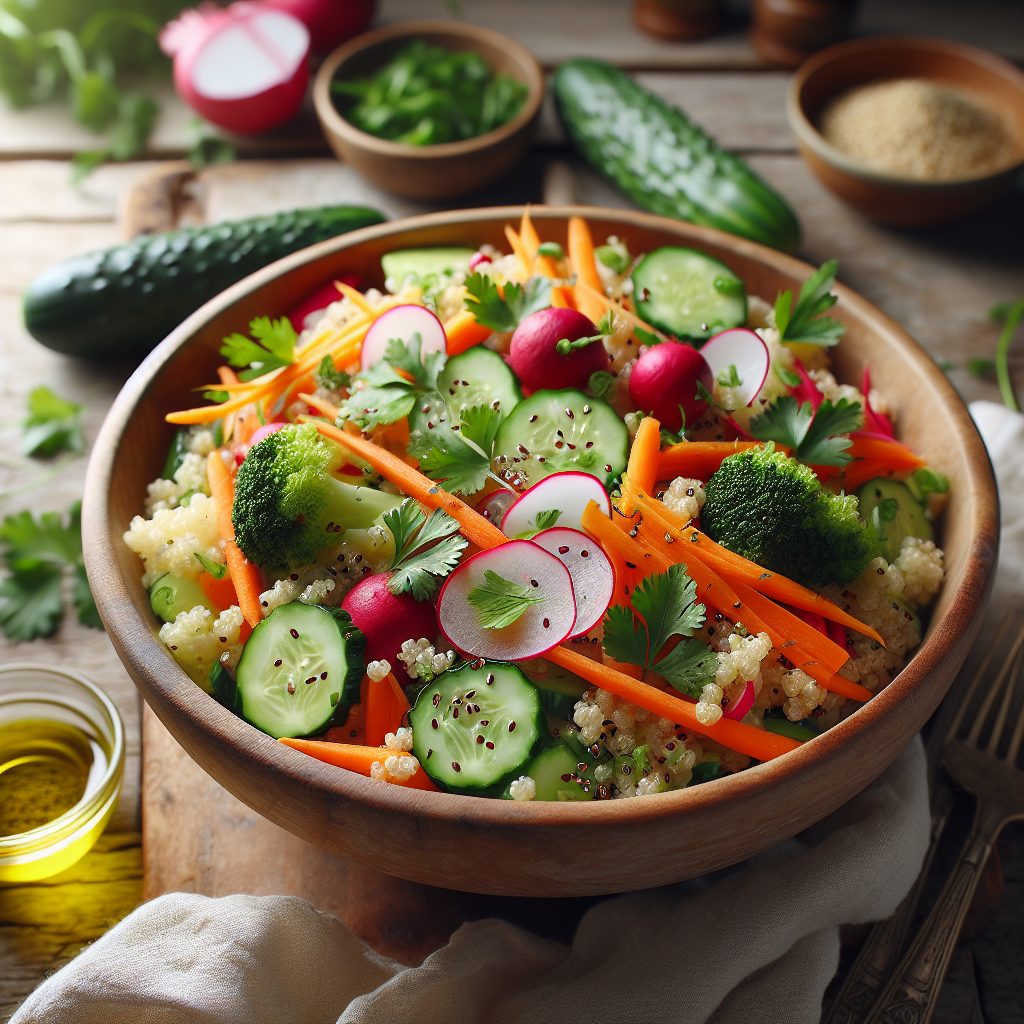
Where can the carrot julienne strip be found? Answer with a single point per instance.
(386, 707)
(642, 468)
(357, 758)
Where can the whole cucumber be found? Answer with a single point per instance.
(118, 303)
(663, 161)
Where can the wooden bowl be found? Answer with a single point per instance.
(883, 197)
(447, 169)
(536, 849)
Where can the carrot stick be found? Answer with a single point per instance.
(531, 243)
(735, 735)
(642, 468)
(463, 332)
(386, 708)
(244, 574)
(410, 481)
(698, 459)
(581, 260)
(860, 471)
(220, 592)
(525, 260)
(583, 290)
(898, 455)
(355, 758)
(611, 538)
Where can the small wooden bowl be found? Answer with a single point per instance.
(883, 197)
(499, 846)
(447, 169)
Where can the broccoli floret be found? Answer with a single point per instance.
(287, 505)
(771, 509)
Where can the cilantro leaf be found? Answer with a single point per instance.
(444, 456)
(85, 603)
(505, 312)
(274, 347)
(53, 425)
(785, 421)
(545, 520)
(421, 573)
(499, 602)
(804, 321)
(407, 357)
(480, 425)
(328, 377)
(373, 407)
(729, 378)
(664, 605)
(403, 522)
(30, 542)
(647, 337)
(788, 377)
(30, 603)
(821, 446)
(689, 666)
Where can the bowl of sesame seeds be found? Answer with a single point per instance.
(527, 848)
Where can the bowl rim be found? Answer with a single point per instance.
(332, 120)
(136, 643)
(809, 136)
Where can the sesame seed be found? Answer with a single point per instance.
(294, 633)
(277, 664)
(456, 766)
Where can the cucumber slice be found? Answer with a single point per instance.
(555, 431)
(170, 595)
(559, 688)
(560, 774)
(474, 729)
(478, 377)
(420, 263)
(301, 667)
(894, 512)
(223, 687)
(688, 293)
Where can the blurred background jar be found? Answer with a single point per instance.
(679, 19)
(787, 32)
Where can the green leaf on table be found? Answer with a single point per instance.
(53, 425)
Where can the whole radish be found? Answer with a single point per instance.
(388, 620)
(665, 379)
(536, 360)
(330, 22)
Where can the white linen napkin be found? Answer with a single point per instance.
(754, 944)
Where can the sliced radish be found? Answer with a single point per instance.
(244, 68)
(741, 705)
(567, 493)
(743, 349)
(265, 431)
(402, 322)
(541, 626)
(496, 504)
(592, 578)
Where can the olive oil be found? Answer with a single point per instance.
(45, 769)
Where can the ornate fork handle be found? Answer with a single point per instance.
(910, 996)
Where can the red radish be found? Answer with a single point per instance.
(744, 350)
(496, 504)
(592, 578)
(477, 260)
(330, 22)
(318, 300)
(565, 493)
(245, 68)
(402, 322)
(543, 625)
(665, 378)
(538, 364)
(265, 431)
(388, 620)
(737, 708)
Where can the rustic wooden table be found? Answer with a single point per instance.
(938, 283)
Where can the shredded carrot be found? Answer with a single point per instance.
(698, 459)
(525, 260)
(220, 592)
(611, 538)
(584, 290)
(408, 480)
(543, 265)
(356, 758)
(354, 729)
(463, 332)
(735, 735)
(244, 574)
(386, 707)
(642, 468)
(581, 260)
(355, 296)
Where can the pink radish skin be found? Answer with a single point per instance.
(496, 504)
(741, 705)
(402, 322)
(537, 363)
(525, 564)
(478, 259)
(593, 580)
(664, 378)
(388, 620)
(265, 431)
(319, 300)
(747, 352)
(244, 68)
(330, 22)
(568, 492)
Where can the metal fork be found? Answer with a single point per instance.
(988, 768)
(881, 950)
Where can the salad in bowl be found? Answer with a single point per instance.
(566, 522)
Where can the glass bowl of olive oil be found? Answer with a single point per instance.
(61, 767)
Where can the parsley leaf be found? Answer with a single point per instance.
(37, 552)
(805, 322)
(461, 460)
(689, 666)
(274, 347)
(811, 435)
(499, 602)
(480, 425)
(407, 357)
(545, 520)
(505, 313)
(417, 568)
(729, 378)
(328, 377)
(788, 377)
(664, 606)
(53, 425)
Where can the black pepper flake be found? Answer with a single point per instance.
(277, 664)
(294, 633)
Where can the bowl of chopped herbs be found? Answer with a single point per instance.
(429, 109)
